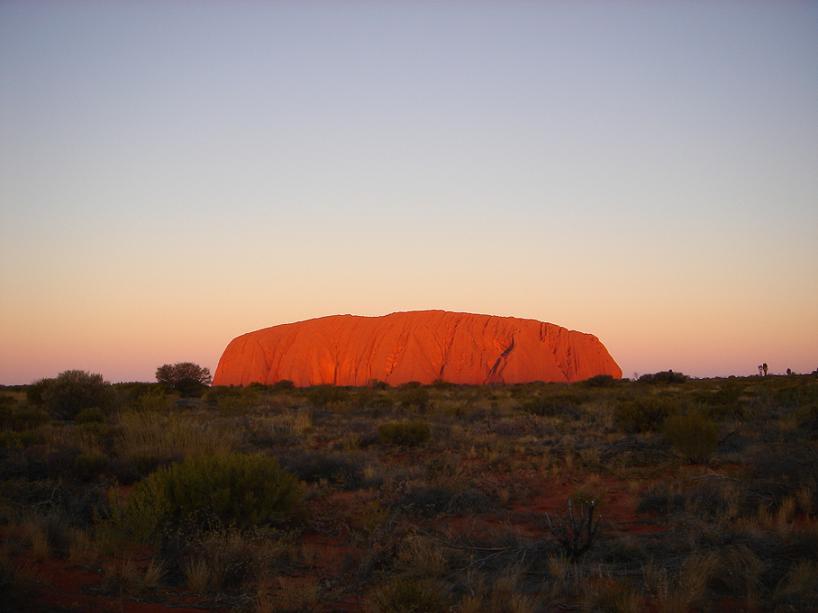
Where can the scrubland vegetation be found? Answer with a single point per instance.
(664, 494)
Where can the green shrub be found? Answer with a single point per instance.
(404, 433)
(692, 434)
(71, 391)
(236, 490)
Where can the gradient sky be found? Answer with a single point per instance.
(173, 174)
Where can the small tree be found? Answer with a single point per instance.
(71, 392)
(187, 378)
(764, 368)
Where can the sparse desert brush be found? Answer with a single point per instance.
(322, 396)
(449, 525)
(688, 588)
(122, 576)
(334, 468)
(18, 416)
(556, 406)
(609, 596)
(60, 436)
(17, 586)
(693, 435)
(295, 421)
(372, 399)
(799, 588)
(645, 414)
(238, 404)
(738, 572)
(91, 415)
(404, 433)
(36, 536)
(782, 470)
(415, 397)
(156, 399)
(714, 498)
(151, 438)
(82, 550)
(219, 490)
(408, 595)
(89, 466)
(421, 556)
(288, 595)
(223, 560)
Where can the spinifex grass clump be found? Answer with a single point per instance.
(237, 490)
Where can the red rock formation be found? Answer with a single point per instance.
(414, 346)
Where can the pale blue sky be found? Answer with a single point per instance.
(173, 174)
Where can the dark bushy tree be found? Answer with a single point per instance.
(71, 392)
(665, 376)
(187, 378)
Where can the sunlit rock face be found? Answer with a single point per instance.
(419, 346)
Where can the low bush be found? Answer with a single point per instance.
(693, 435)
(414, 396)
(321, 396)
(209, 491)
(644, 414)
(71, 392)
(372, 399)
(404, 433)
(313, 467)
(599, 381)
(552, 406)
(434, 500)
